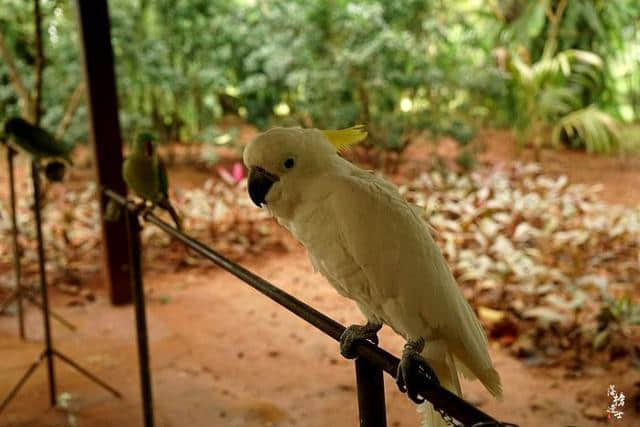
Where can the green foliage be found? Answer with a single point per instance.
(333, 63)
(597, 130)
(466, 160)
(62, 67)
(448, 67)
(630, 138)
(548, 94)
(614, 314)
(572, 63)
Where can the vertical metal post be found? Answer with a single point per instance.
(133, 234)
(43, 281)
(93, 18)
(371, 406)
(16, 246)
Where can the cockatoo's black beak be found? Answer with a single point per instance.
(260, 182)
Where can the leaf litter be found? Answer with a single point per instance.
(552, 271)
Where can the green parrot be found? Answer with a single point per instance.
(144, 171)
(35, 141)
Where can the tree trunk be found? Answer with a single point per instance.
(16, 79)
(73, 102)
(39, 65)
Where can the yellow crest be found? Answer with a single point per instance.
(344, 138)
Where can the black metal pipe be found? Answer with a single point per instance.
(371, 406)
(52, 313)
(48, 352)
(26, 295)
(438, 396)
(135, 272)
(22, 380)
(86, 373)
(35, 177)
(17, 270)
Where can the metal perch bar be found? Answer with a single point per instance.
(438, 396)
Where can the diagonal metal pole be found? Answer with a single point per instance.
(27, 295)
(86, 373)
(439, 397)
(52, 313)
(22, 380)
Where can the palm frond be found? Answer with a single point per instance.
(599, 131)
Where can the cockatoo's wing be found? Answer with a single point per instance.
(409, 284)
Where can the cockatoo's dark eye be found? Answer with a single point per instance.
(289, 163)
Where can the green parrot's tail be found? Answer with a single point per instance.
(67, 158)
(166, 205)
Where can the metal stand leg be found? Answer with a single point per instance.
(86, 373)
(16, 247)
(49, 352)
(135, 270)
(53, 314)
(19, 292)
(43, 282)
(24, 379)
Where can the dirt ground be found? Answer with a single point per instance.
(223, 355)
(618, 174)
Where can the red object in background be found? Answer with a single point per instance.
(235, 176)
(237, 172)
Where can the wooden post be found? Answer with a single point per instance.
(93, 18)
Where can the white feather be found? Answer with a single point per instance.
(374, 248)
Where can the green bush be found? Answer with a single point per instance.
(448, 67)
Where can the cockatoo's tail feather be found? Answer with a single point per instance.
(345, 138)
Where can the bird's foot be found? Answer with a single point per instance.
(112, 212)
(411, 366)
(142, 208)
(355, 333)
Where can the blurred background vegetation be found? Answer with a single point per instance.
(556, 71)
(550, 266)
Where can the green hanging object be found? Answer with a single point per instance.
(35, 141)
(55, 170)
(144, 171)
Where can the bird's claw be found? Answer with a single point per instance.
(410, 367)
(355, 333)
(142, 208)
(112, 212)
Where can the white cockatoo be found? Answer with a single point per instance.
(375, 249)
